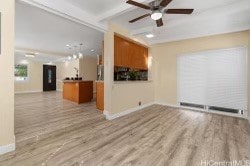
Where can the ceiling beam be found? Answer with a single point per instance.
(68, 11)
(119, 10)
(41, 52)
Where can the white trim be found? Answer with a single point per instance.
(167, 104)
(59, 90)
(126, 112)
(24, 92)
(8, 148)
(69, 11)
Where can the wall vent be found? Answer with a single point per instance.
(222, 109)
(192, 105)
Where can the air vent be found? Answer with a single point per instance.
(226, 110)
(192, 105)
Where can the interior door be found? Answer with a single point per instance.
(49, 78)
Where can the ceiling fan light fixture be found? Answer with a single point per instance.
(156, 15)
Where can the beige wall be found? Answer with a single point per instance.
(248, 74)
(35, 79)
(121, 97)
(65, 69)
(165, 55)
(6, 73)
(88, 69)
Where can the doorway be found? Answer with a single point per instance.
(49, 78)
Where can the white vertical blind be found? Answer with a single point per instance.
(214, 78)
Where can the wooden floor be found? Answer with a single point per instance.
(50, 131)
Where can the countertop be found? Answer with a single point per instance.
(76, 81)
(131, 82)
(99, 81)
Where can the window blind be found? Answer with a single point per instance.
(214, 78)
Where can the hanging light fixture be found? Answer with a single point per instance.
(80, 55)
(74, 51)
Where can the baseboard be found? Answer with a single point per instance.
(126, 112)
(166, 104)
(59, 90)
(8, 148)
(23, 92)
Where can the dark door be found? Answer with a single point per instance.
(49, 78)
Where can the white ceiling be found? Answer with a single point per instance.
(209, 18)
(96, 7)
(48, 34)
(41, 57)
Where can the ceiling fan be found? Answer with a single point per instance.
(157, 10)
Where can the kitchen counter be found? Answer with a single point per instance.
(79, 91)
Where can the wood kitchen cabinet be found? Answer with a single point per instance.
(130, 54)
(100, 95)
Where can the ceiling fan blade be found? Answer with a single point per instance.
(131, 2)
(179, 11)
(164, 3)
(138, 18)
(159, 22)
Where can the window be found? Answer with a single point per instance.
(21, 72)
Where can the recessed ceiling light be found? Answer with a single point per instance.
(92, 50)
(67, 45)
(69, 57)
(29, 55)
(149, 35)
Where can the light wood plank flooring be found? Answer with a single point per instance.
(51, 131)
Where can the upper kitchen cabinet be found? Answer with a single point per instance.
(129, 54)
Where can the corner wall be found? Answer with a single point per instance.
(7, 138)
(120, 97)
(166, 54)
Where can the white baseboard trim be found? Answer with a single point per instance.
(167, 104)
(8, 148)
(126, 112)
(23, 92)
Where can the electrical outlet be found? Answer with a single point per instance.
(139, 103)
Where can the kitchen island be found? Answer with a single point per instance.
(79, 91)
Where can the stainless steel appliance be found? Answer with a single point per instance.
(100, 72)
